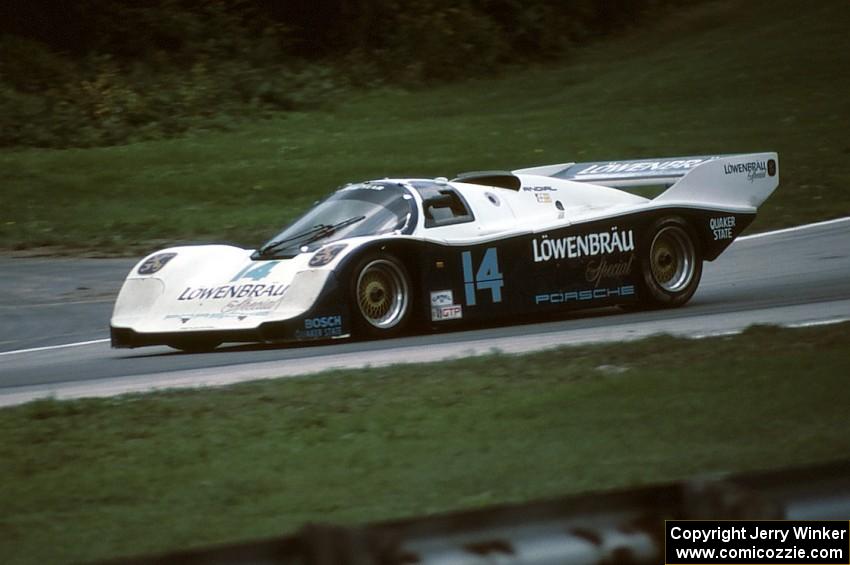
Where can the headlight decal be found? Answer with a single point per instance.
(154, 263)
(326, 254)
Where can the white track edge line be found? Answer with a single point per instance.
(49, 347)
(791, 325)
(793, 229)
(75, 391)
(815, 323)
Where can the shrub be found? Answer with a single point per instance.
(98, 72)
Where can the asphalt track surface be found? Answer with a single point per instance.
(55, 315)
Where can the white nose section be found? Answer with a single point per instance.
(244, 299)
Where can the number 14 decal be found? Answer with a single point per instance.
(488, 276)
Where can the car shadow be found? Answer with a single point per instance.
(463, 330)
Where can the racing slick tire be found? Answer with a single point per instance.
(382, 296)
(671, 263)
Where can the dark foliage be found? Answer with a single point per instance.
(95, 72)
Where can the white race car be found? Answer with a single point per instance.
(376, 256)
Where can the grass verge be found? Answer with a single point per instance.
(722, 77)
(145, 473)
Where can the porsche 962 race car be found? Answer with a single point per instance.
(376, 256)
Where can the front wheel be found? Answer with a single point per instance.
(671, 263)
(382, 293)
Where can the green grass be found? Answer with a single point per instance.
(724, 77)
(721, 77)
(147, 473)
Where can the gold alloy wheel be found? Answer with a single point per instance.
(382, 294)
(672, 259)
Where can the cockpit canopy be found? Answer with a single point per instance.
(362, 209)
(442, 204)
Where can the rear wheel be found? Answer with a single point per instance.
(382, 293)
(671, 264)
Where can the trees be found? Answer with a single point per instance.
(97, 72)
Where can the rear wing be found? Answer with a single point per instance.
(623, 174)
(733, 180)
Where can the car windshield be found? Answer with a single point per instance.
(370, 208)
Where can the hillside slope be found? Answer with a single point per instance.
(726, 76)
